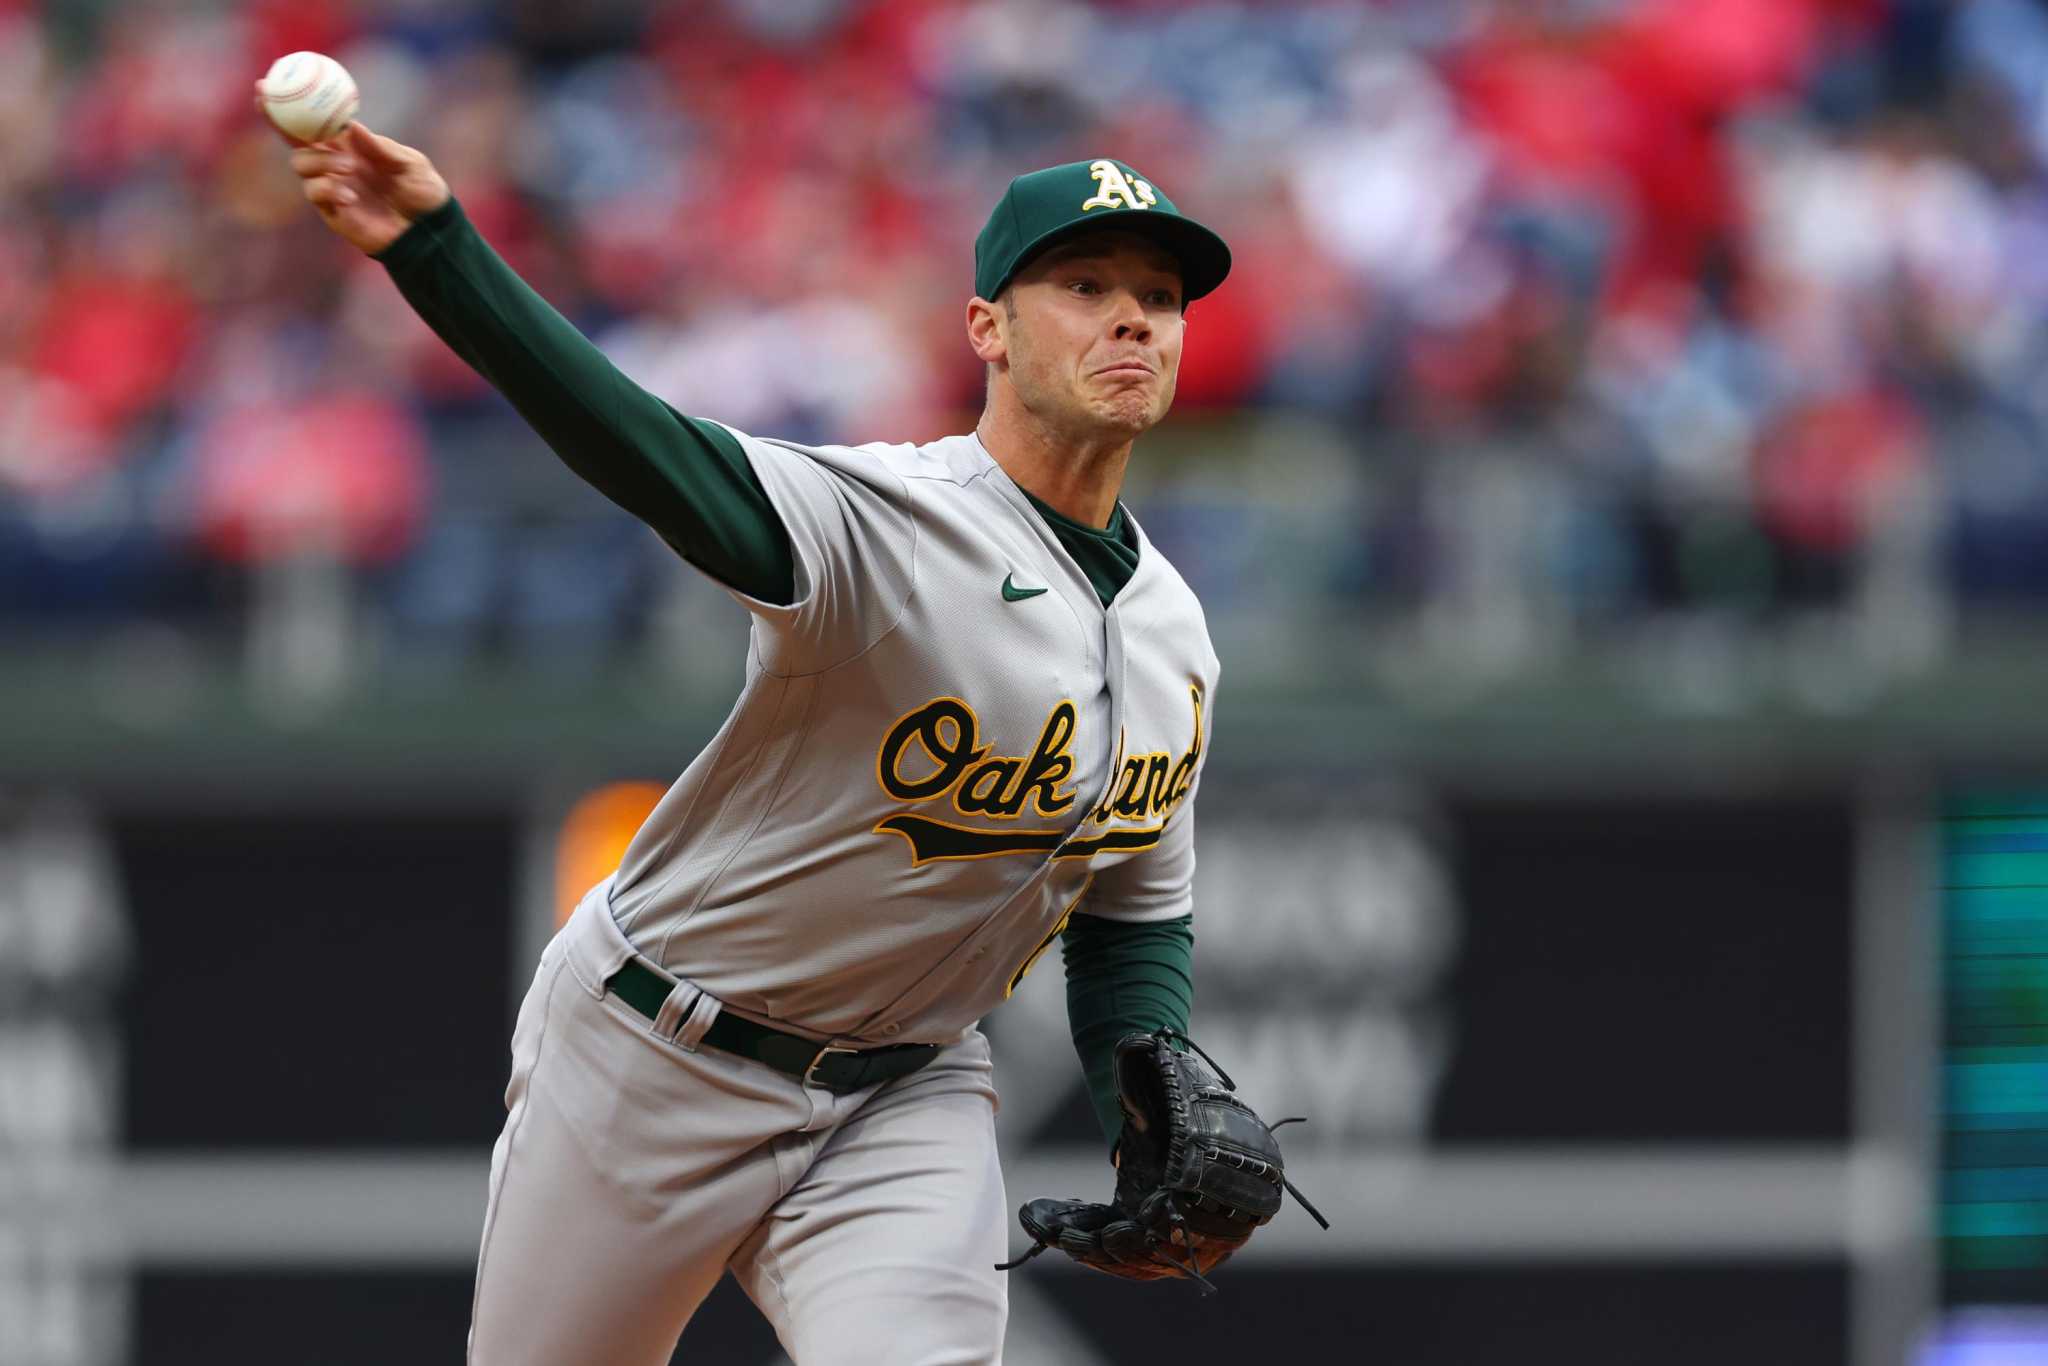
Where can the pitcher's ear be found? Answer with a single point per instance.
(985, 330)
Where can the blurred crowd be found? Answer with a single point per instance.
(1576, 313)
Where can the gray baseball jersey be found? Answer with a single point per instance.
(944, 743)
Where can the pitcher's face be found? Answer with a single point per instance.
(1092, 334)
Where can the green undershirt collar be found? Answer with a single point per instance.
(1107, 555)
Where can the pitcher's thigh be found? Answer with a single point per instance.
(598, 1243)
(886, 1250)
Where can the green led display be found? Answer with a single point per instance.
(1994, 1180)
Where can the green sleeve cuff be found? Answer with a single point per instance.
(1123, 979)
(423, 238)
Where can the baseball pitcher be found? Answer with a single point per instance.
(976, 707)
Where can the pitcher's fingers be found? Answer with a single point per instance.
(327, 192)
(380, 151)
(319, 160)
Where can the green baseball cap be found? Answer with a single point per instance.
(1047, 207)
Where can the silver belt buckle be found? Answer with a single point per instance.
(808, 1079)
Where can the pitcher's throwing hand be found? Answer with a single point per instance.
(367, 187)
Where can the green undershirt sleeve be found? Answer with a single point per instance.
(687, 479)
(1123, 979)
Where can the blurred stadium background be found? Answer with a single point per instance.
(1617, 474)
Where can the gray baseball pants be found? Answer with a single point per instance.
(634, 1168)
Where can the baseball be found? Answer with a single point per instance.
(309, 96)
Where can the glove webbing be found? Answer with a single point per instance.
(1169, 1032)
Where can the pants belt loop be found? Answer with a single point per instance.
(676, 1010)
(703, 1010)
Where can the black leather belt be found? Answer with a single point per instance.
(838, 1070)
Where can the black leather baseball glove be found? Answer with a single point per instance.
(1197, 1171)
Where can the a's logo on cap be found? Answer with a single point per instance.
(1115, 190)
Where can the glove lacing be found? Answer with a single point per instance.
(1185, 1264)
(1169, 1032)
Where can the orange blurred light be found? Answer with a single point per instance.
(594, 837)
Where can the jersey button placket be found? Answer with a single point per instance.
(1113, 684)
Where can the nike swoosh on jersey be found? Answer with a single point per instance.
(1012, 593)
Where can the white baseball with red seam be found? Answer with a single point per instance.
(309, 96)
